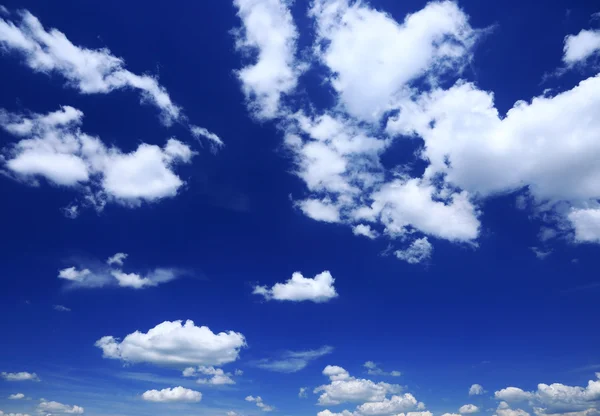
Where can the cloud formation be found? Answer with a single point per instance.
(259, 403)
(319, 289)
(175, 344)
(170, 395)
(292, 361)
(20, 376)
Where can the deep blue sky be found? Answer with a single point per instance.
(494, 315)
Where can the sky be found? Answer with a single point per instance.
(325, 207)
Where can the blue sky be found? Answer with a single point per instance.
(330, 208)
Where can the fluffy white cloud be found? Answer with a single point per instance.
(54, 147)
(365, 231)
(55, 408)
(505, 410)
(12, 414)
(175, 344)
(345, 388)
(175, 394)
(320, 210)
(512, 394)
(468, 408)
(218, 377)
(20, 376)
(396, 404)
(373, 369)
(476, 390)
(259, 403)
(94, 274)
(555, 397)
(269, 32)
(292, 361)
(586, 222)
(16, 396)
(299, 288)
(355, 40)
(581, 46)
(419, 250)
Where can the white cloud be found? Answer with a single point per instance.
(55, 408)
(419, 251)
(54, 147)
(90, 71)
(175, 394)
(555, 397)
(61, 308)
(302, 393)
(582, 46)
(540, 253)
(202, 132)
(365, 231)
(354, 40)
(344, 388)
(476, 390)
(16, 396)
(320, 210)
(269, 31)
(21, 376)
(586, 223)
(512, 394)
(13, 414)
(299, 288)
(395, 404)
(175, 344)
(374, 370)
(90, 274)
(505, 410)
(117, 259)
(218, 377)
(468, 408)
(292, 361)
(259, 403)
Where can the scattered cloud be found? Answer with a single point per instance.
(476, 390)
(468, 409)
(419, 251)
(539, 253)
(46, 407)
(16, 396)
(170, 395)
(259, 403)
(299, 288)
(580, 47)
(175, 344)
(374, 370)
(217, 377)
(53, 147)
(365, 231)
(302, 393)
(21, 376)
(93, 274)
(61, 308)
(292, 361)
(268, 33)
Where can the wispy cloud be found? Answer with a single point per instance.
(292, 361)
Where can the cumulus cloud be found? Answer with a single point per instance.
(53, 147)
(16, 396)
(468, 409)
(259, 403)
(217, 377)
(476, 390)
(580, 47)
(20, 376)
(374, 370)
(299, 288)
(545, 146)
(269, 33)
(344, 388)
(292, 361)
(55, 408)
(175, 394)
(91, 274)
(302, 393)
(555, 397)
(505, 410)
(175, 344)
